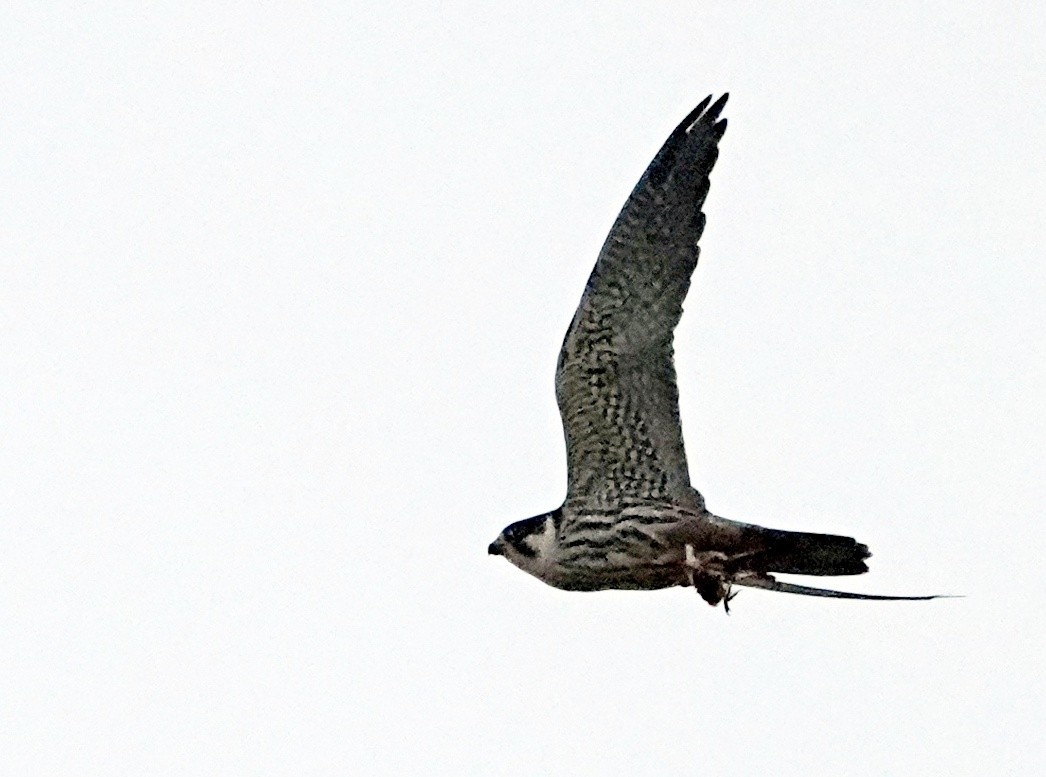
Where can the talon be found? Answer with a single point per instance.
(728, 597)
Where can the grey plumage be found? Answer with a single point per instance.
(616, 381)
(631, 519)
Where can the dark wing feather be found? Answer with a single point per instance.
(616, 381)
(770, 584)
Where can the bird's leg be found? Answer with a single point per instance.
(690, 561)
(730, 594)
(704, 560)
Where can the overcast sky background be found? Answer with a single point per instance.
(283, 287)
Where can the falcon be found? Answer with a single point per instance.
(631, 519)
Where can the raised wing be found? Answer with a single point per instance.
(616, 381)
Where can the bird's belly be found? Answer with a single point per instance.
(612, 572)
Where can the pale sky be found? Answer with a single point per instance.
(282, 291)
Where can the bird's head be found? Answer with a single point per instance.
(529, 544)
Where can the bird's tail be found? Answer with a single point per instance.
(805, 553)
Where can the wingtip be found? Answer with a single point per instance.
(712, 114)
(704, 112)
(771, 584)
(692, 117)
(714, 109)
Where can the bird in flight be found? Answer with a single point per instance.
(631, 519)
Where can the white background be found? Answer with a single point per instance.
(283, 287)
